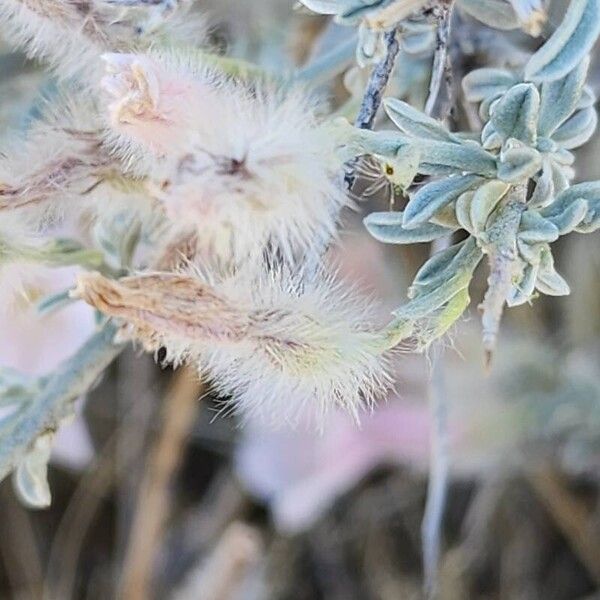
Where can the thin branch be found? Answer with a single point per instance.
(437, 489)
(153, 502)
(438, 104)
(378, 82)
(373, 97)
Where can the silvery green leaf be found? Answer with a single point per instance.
(463, 211)
(485, 200)
(591, 221)
(434, 196)
(370, 46)
(446, 217)
(444, 263)
(587, 99)
(548, 281)
(490, 138)
(577, 130)
(482, 84)
(417, 38)
(486, 108)
(387, 227)
(433, 298)
(443, 157)
(326, 7)
(559, 99)
(524, 288)
(415, 123)
(519, 163)
(590, 192)
(561, 176)
(543, 194)
(535, 228)
(567, 46)
(530, 253)
(493, 13)
(30, 479)
(566, 213)
(515, 115)
(546, 145)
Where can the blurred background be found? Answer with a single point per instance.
(158, 493)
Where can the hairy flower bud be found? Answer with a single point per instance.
(283, 350)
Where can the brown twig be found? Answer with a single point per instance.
(153, 497)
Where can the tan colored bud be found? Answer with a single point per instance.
(164, 305)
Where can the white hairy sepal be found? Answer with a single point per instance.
(285, 349)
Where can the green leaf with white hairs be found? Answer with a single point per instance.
(591, 221)
(587, 98)
(590, 192)
(434, 196)
(463, 211)
(490, 138)
(530, 253)
(577, 130)
(494, 13)
(543, 194)
(548, 281)
(515, 115)
(30, 479)
(482, 84)
(524, 288)
(485, 200)
(566, 213)
(387, 227)
(560, 98)
(572, 40)
(443, 264)
(415, 123)
(441, 157)
(519, 163)
(534, 228)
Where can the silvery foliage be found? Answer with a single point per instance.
(373, 17)
(510, 190)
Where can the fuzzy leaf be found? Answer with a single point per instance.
(543, 194)
(415, 123)
(441, 157)
(548, 281)
(485, 200)
(490, 138)
(567, 46)
(387, 227)
(591, 221)
(31, 477)
(494, 13)
(534, 228)
(444, 263)
(577, 130)
(523, 289)
(559, 99)
(519, 163)
(530, 253)
(590, 192)
(566, 213)
(463, 211)
(434, 196)
(486, 83)
(516, 113)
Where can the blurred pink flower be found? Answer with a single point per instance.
(35, 344)
(301, 473)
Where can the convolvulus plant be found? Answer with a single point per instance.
(197, 194)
